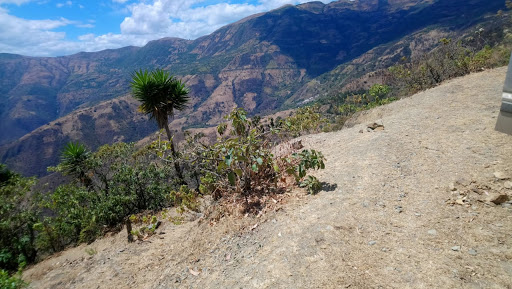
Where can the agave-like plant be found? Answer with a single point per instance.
(73, 163)
(160, 94)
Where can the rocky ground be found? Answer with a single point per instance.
(411, 204)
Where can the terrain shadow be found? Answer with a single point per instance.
(329, 187)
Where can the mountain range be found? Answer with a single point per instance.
(263, 63)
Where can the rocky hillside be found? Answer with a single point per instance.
(421, 203)
(262, 63)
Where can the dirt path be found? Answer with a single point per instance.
(404, 208)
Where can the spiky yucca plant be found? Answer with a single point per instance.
(160, 94)
(73, 162)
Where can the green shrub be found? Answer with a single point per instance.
(11, 282)
(73, 220)
(17, 214)
(298, 165)
(312, 184)
(121, 181)
(241, 164)
(304, 120)
(185, 199)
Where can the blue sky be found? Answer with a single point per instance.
(63, 27)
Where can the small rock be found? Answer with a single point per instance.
(464, 182)
(432, 232)
(456, 248)
(381, 204)
(399, 209)
(194, 272)
(384, 249)
(452, 187)
(472, 252)
(360, 131)
(154, 226)
(375, 126)
(371, 243)
(121, 251)
(508, 185)
(498, 198)
(477, 191)
(297, 145)
(417, 214)
(501, 176)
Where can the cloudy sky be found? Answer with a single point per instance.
(63, 27)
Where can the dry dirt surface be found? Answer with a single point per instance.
(403, 206)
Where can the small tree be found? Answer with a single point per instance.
(160, 94)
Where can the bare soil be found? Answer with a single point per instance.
(402, 207)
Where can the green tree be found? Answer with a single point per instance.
(160, 94)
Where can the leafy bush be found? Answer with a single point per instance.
(312, 184)
(149, 225)
(304, 120)
(11, 282)
(17, 215)
(74, 220)
(121, 181)
(300, 163)
(343, 105)
(241, 164)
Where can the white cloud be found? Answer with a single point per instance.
(182, 19)
(17, 2)
(67, 3)
(87, 25)
(147, 20)
(22, 36)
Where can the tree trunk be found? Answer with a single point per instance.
(129, 229)
(175, 156)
